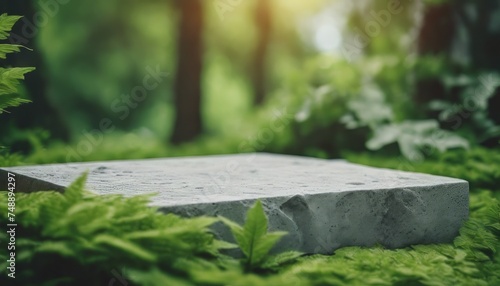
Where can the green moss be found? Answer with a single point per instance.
(479, 166)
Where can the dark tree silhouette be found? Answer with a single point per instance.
(435, 38)
(483, 41)
(263, 22)
(40, 113)
(188, 121)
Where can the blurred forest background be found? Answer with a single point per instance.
(131, 79)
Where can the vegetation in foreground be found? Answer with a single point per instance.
(77, 238)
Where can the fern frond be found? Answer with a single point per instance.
(6, 24)
(7, 49)
(10, 77)
(10, 100)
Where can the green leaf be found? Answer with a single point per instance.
(10, 100)
(126, 246)
(252, 238)
(155, 277)
(238, 233)
(275, 261)
(263, 245)
(9, 79)
(384, 135)
(369, 110)
(61, 248)
(6, 24)
(75, 191)
(254, 229)
(413, 136)
(7, 49)
(221, 244)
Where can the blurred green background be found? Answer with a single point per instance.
(325, 78)
(409, 85)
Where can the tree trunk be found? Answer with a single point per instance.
(188, 122)
(263, 22)
(483, 40)
(40, 113)
(435, 38)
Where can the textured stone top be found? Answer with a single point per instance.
(191, 180)
(322, 204)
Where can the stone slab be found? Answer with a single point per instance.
(323, 204)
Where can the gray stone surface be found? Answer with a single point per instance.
(323, 204)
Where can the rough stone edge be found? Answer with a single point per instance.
(433, 219)
(25, 184)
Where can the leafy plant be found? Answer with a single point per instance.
(78, 236)
(255, 242)
(471, 110)
(414, 137)
(10, 77)
(369, 110)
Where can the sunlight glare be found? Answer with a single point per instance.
(327, 37)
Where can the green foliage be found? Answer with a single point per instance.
(479, 237)
(128, 146)
(313, 96)
(9, 77)
(470, 110)
(6, 24)
(414, 138)
(420, 265)
(255, 242)
(77, 236)
(479, 166)
(379, 112)
(7, 49)
(9, 159)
